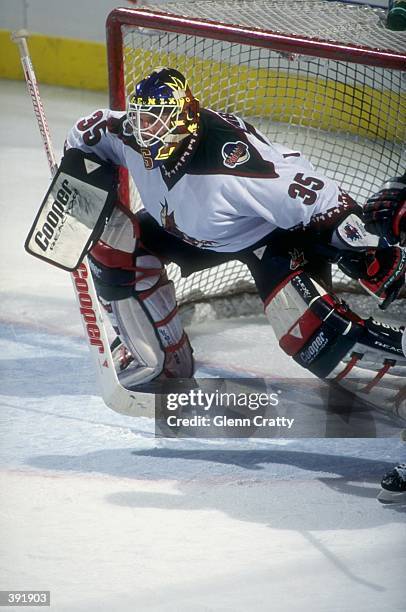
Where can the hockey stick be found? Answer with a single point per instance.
(114, 395)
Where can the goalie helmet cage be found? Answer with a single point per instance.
(293, 70)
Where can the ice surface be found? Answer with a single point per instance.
(109, 518)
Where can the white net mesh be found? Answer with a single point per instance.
(333, 21)
(348, 118)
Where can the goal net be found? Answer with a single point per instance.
(324, 78)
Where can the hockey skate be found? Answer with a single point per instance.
(394, 486)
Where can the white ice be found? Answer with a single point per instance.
(105, 516)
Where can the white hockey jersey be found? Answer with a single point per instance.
(228, 188)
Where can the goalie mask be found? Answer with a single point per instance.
(162, 112)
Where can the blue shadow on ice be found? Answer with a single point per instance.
(36, 363)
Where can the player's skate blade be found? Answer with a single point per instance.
(390, 497)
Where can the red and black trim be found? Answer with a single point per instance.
(170, 351)
(355, 357)
(387, 364)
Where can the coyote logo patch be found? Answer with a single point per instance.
(351, 232)
(235, 153)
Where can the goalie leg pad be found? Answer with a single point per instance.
(142, 308)
(158, 345)
(308, 324)
(327, 338)
(138, 335)
(175, 342)
(121, 230)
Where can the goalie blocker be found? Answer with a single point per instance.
(74, 211)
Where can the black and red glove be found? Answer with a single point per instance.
(385, 211)
(384, 273)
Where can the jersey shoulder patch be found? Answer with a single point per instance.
(225, 149)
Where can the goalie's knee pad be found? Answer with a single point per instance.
(118, 262)
(118, 275)
(327, 338)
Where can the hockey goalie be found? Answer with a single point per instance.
(214, 189)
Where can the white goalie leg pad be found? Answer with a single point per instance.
(287, 310)
(138, 335)
(141, 305)
(153, 342)
(118, 244)
(377, 386)
(162, 307)
(324, 336)
(148, 273)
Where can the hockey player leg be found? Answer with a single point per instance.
(141, 304)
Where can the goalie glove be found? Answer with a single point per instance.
(385, 211)
(384, 275)
(381, 272)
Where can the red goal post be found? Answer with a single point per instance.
(342, 104)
